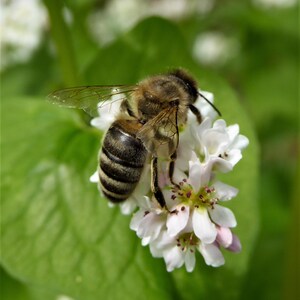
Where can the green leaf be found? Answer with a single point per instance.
(59, 234)
(56, 230)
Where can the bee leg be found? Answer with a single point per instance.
(196, 112)
(154, 183)
(125, 107)
(172, 167)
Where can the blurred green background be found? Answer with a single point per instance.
(247, 51)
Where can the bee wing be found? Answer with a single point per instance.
(89, 98)
(160, 134)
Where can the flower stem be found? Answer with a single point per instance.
(63, 42)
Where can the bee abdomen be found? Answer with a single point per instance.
(121, 163)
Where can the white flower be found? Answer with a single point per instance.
(212, 254)
(118, 16)
(194, 218)
(217, 142)
(107, 112)
(175, 251)
(197, 199)
(148, 220)
(206, 110)
(21, 28)
(214, 48)
(181, 250)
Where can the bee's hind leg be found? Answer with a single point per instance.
(154, 183)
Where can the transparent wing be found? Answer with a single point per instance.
(160, 134)
(90, 98)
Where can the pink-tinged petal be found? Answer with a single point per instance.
(204, 229)
(173, 258)
(190, 260)
(212, 255)
(178, 220)
(224, 191)
(224, 236)
(195, 172)
(236, 245)
(222, 216)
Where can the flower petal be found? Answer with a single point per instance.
(204, 229)
(233, 131)
(235, 245)
(211, 254)
(241, 142)
(177, 221)
(222, 216)
(173, 258)
(190, 260)
(224, 191)
(127, 207)
(136, 220)
(95, 177)
(195, 172)
(224, 236)
(220, 164)
(234, 156)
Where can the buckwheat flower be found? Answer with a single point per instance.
(180, 250)
(198, 197)
(194, 217)
(108, 112)
(177, 251)
(206, 110)
(218, 142)
(22, 24)
(148, 221)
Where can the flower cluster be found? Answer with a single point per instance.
(194, 218)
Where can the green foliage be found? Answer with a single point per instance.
(58, 233)
(60, 238)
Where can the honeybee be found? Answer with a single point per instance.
(147, 126)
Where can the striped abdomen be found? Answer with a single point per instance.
(122, 159)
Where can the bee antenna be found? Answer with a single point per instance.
(210, 103)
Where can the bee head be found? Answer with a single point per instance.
(188, 81)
